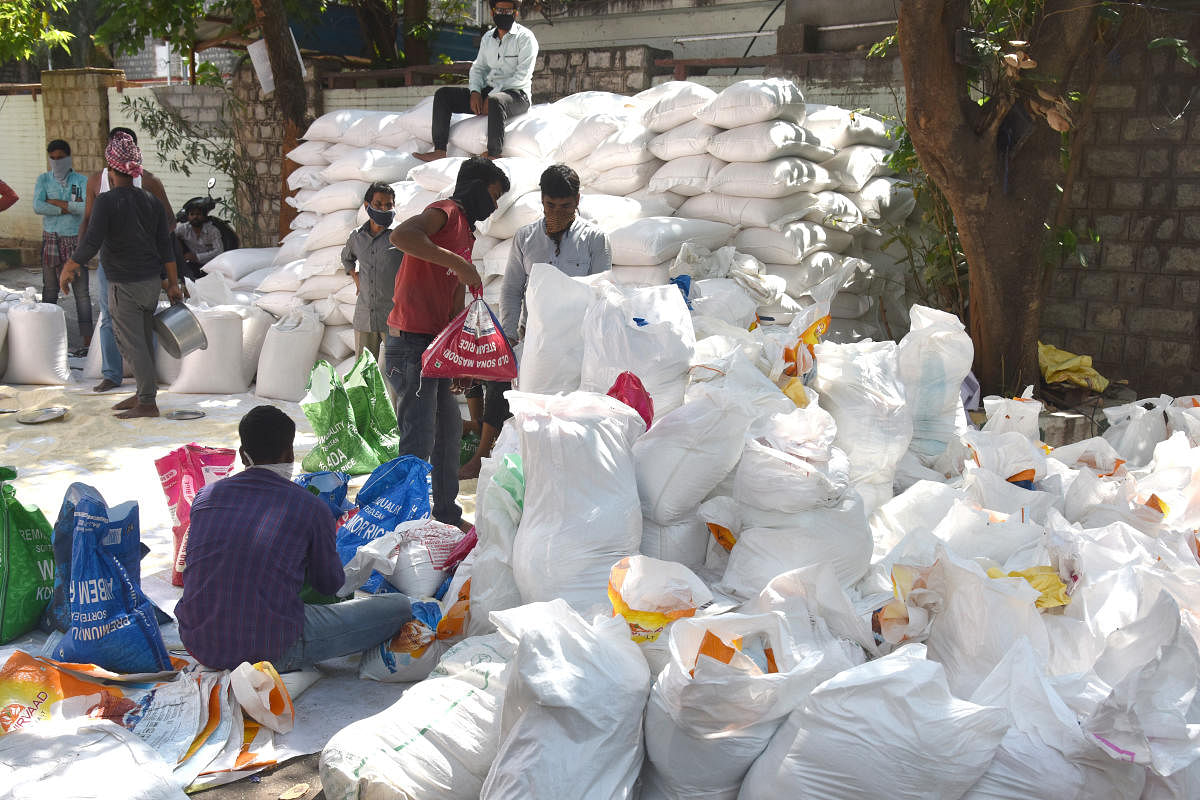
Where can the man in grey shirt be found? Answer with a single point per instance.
(575, 246)
(378, 261)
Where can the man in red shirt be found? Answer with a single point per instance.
(430, 290)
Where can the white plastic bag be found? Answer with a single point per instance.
(646, 331)
(934, 357)
(1018, 414)
(860, 386)
(552, 357)
(688, 452)
(778, 177)
(888, 728)
(411, 558)
(716, 705)
(218, 368)
(763, 141)
(572, 716)
(581, 511)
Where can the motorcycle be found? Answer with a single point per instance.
(208, 203)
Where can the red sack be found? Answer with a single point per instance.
(472, 346)
(629, 390)
(183, 473)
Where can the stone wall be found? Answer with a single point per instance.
(75, 104)
(624, 70)
(1136, 307)
(259, 127)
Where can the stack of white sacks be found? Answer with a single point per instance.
(821, 585)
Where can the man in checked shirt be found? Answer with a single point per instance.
(255, 538)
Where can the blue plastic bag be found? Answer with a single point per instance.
(112, 623)
(398, 491)
(330, 487)
(123, 541)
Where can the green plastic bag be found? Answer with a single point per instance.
(340, 447)
(26, 563)
(373, 413)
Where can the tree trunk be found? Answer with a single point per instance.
(1001, 202)
(417, 49)
(378, 22)
(289, 89)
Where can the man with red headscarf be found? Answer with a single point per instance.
(130, 229)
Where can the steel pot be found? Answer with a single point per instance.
(179, 331)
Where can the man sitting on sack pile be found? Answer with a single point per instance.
(254, 539)
(499, 85)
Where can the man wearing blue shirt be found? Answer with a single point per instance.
(499, 85)
(59, 197)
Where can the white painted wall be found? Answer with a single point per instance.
(659, 23)
(179, 187)
(393, 99)
(22, 159)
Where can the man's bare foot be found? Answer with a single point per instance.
(139, 410)
(126, 404)
(488, 156)
(470, 470)
(433, 155)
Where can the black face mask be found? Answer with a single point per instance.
(504, 22)
(475, 200)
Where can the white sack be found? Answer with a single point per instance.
(895, 712)
(569, 539)
(572, 716)
(688, 139)
(794, 242)
(860, 386)
(764, 141)
(591, 130)
(336, 197)
(37, 344)
(370, 165)
(687, 176)
(217, 369)
(853, 166)
(658, 352)
(933, 358)
(333, 229)
(776, 178)
(310, 153)
(237, 264)
(306, 177)
(839, 128)
(621, 180)
(687, 453)
(552, 358)
(656, 239)
(677, 103)
(538, 133)
(755, 100)
(748, 212)
(288, 355)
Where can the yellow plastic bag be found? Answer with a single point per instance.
(1059, 366)
(1045, 579)
(651, 594)
(261, 693)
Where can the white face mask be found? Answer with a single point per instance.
(284, 471)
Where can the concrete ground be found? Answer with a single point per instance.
(269, 784)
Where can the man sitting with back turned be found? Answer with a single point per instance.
(499, 85)
(254, 538)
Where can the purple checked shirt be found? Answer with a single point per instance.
(254, 537)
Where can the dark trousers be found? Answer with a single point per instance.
(79, 288)
(501, 106)
(430, 424)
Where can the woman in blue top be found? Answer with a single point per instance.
(59, 197)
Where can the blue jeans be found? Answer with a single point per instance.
(112, 367)
(429, 420)
(340, 629)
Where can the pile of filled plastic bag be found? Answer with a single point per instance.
(805, 574)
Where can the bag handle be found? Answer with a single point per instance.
(477, 292)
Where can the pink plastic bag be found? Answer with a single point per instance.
(183, 473)
(472, 346)
(629, 390)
